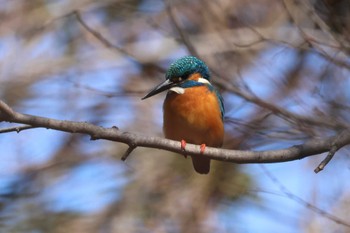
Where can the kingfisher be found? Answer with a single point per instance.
(193, 109)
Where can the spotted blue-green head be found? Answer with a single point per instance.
(186, 66)
(179, 72)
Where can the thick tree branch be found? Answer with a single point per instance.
(309, 148)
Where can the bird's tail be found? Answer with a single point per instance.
(201, 165)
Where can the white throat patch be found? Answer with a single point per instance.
(178, 90)
(203, 80)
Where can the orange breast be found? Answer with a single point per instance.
(194, 116)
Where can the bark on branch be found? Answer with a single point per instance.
(309, 148)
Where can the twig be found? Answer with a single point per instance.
(279, 111)
(223, 84)
(325, 28)
(106, 42)
(308, 205)
(128, 152)
(5, 111)
(17, 128)
(100, 37)
(184, 37)
(326, 160)
(96, 34)
(334, 148)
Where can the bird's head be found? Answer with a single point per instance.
(179, 72)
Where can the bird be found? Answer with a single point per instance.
(193, 110)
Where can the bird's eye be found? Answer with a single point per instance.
(177, 79)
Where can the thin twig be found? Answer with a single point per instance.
(5, 111)
(279, 111)
(128, 152)
(17, 128)
(100, 37)
(326, 160)
(106, 42)
(222, 83)
(325, 28)
(334, 148)
(308, 205)
(183, 35)
(96, 34)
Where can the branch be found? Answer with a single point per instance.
(301, 201)
(276, 110)
(311, 40)
(16, 128)
(309, 148)
(107, 43)
(334, 148)
(279, 111)
(191, 49)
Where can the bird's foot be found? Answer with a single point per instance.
(203, 146)
(183, 147)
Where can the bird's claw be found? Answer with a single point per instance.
(203, 146)
(183, 147)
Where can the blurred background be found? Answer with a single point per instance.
(282, 67)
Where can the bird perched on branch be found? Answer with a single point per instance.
(193, 108)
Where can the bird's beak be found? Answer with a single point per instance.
(166, 85)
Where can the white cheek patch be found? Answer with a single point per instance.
(203, 80)
(178, 90)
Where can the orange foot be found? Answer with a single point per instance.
(183, 146)
(203, 148)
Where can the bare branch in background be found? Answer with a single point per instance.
(299, 200)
